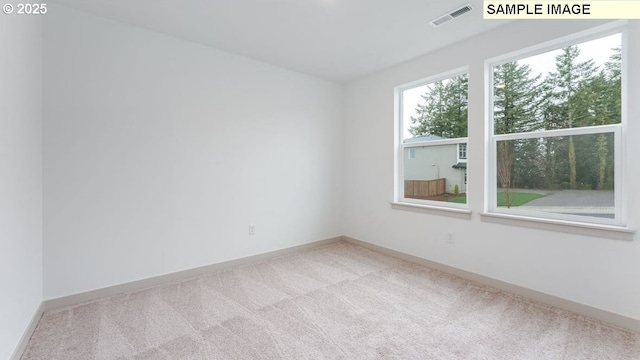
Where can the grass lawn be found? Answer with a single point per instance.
(458, 200)
(517, 198)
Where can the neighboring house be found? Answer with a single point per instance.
(437, 161)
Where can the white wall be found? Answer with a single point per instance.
(20, 177)
(159, 153)
(600, 272)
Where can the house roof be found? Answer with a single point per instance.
(421, 138)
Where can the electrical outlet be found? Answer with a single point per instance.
(252, 229)
(450, 238)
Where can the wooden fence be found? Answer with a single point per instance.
(421, 189)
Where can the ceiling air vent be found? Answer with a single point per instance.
(450, 16)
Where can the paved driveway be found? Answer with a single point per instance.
(574, 198)
(598, 203)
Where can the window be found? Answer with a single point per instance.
(462, 151)
(433, 135)
(555, 133)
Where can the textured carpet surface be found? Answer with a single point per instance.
(337, 301)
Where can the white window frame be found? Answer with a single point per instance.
(400, 146)
(619, 131)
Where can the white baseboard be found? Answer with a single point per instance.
(176, 276)
(24, 340)
(582, 309)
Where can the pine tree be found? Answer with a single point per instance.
(606, 100)
(515, 106)
(613, 74)
(444, 111)
(569, 77)
(516, 97)
(457, 106)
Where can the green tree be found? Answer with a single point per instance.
(612, 75)
(444, 109)
(567, 80)
(516, 98)
(604, 96)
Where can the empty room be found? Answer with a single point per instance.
(319, 179)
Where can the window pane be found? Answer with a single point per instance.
(462, 151)
(435, 174)
(575, 86)
(571, 175)
(437, 110)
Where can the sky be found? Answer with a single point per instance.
(598, 50)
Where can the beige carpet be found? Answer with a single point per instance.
(337, 301)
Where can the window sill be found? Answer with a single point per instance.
(597, 230)
(432, 209)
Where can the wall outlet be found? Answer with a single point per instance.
(252, 229)
(450, 238)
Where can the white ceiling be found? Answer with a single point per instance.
(339, 40)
